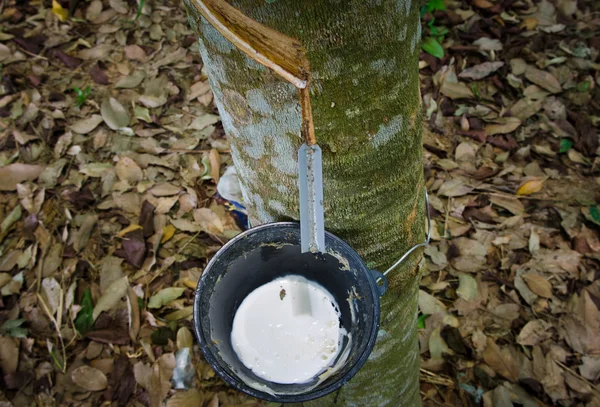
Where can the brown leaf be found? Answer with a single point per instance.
(147, 219)
(9, 354)
(503, 125)
(538, 284)
(543, 79)
(68, 60)
(136, 53)
(98, 75)
(134, 248)
(189, 398)
(534, 332)
(215, 164)
(160, 381)
(501, 361)
(89, 378)
(484, 4)
(481, 71)
(128, 170)
(13, 174)
(456, 90)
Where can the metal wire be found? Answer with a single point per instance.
(425, 243)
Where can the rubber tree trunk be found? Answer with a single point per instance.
(367, 113)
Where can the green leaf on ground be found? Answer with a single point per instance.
(595, 212)
(565, 145)
(421, 321)
(432, 46)
(84, 319)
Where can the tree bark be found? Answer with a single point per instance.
(367, 112)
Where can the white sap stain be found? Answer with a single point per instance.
(276, 206)
(408, 4)
(384, 66)
(387, 131)
(258, 103)
(282, 188)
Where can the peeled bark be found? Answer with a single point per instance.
(367, 112)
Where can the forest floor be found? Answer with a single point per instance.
(111, 147)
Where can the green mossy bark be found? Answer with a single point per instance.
(367, 112)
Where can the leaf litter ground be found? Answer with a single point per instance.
(111, 147)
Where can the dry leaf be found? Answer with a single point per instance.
(208, 220)
(89, 378)
(111, 297)
(128, 170)
(454, 187)
(543, 79)
(84, 126)
(168, 232)
(9, 354)
(215, 164)
(538, 284)
(59, 11)
(189, 398)
(114, 114)
(481, 71)
(13, 174)
(534, 332)
(531, 186)
(501, 361)
(503, 125)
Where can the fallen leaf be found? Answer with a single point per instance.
(160, 381)
(534, 332)
(143, 374)
(135, 53)
(16, 173)
(89, 378)
(165, 189)
(215, 164)
(134, 248)
(9, 355)
(209, 221)
(481, 71)
(165, 296)
(114, 114)
(590, 367)
(168, 232)
(531, 186)
(503, 125)
(184, 338)
(59, 11)
(543, 79)
(467, 287)
(128, 170)
(456, 90)
(454, 187)
(430, 305)
(538, 284)
(53, 293)
(84, 126)
(189, 398)
(112, 297)
(501, 361)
